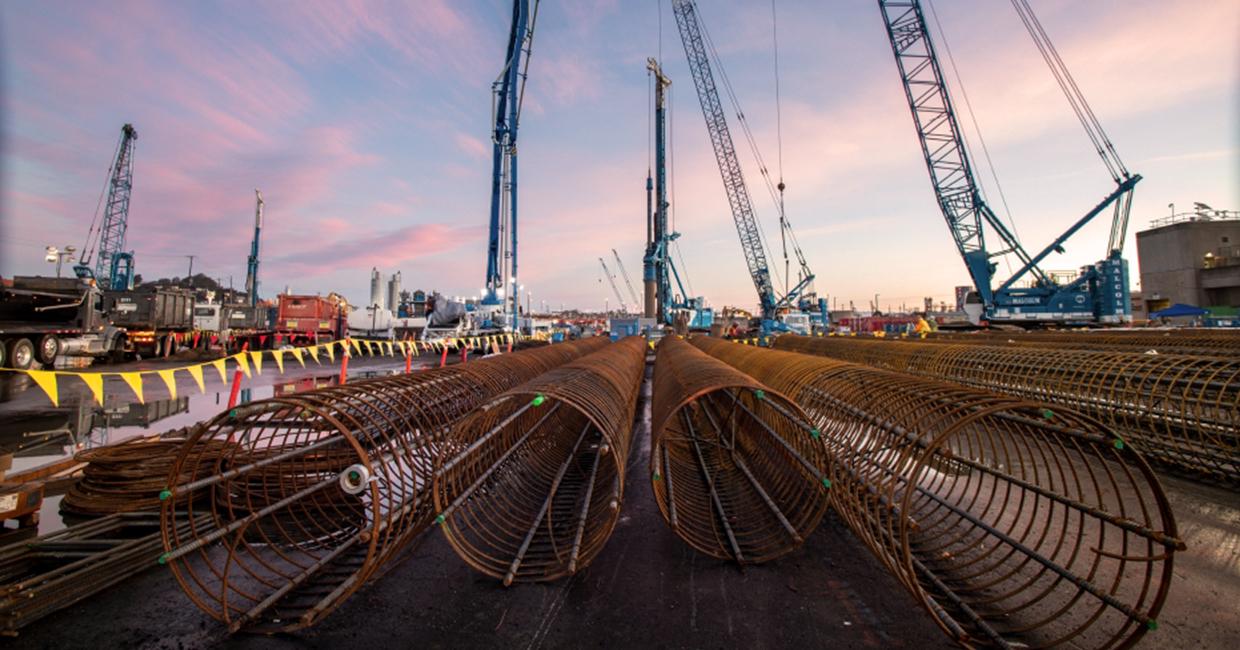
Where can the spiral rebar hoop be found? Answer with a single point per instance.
(1182, 411)
(1013, 522)
(737, 469)
(318, 490)
(1213, 343)
(531, 483)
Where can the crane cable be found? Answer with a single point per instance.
(88, 248)
(1076, 99)
(779, 143)
(977, 130)
(749, 137)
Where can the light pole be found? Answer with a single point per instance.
(59, 255)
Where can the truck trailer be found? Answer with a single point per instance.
(43, 318)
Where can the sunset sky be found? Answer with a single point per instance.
(367, 127)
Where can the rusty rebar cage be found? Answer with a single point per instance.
(1182, 411)
(1013, 522)
(530, 484)
(317, 490)
(737, 469)
(1210, 343)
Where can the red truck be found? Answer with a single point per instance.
(306, 320)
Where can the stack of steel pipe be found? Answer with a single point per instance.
(1014, 522)
(737, 469)
(1194, 342)
(318, 490)
(532, 482)
(1183, 411)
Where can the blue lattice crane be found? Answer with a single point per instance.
(113, 268)
(251, 268)
(507, 91)
(743, 215)
(1100, 292)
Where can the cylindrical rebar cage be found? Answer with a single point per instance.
(315, 491)
(1184, 411)
(1012, 521)
(531, 483)
(737, 469)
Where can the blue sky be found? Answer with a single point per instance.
(366, 125)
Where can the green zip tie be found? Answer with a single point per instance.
(232, 413)
(164, 495)
(1048, 414)
(1119, 444)
(440, 519)
(1151, 625)
(815, 433)
(163, 559)
(656, 476)
(355, 476)
(539, 399)
(759, 394)
(826, 482)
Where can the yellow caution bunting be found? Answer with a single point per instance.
(245, 366)
(296, 352)
(196, 373)
(94, 381)
(47, 381)
(331, 351)
(221, 366)
(278, 355)
(134, 379)
(170, 380)
(314, 352)
(257, 358)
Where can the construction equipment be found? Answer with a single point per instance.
(42, 319)
(659, 269)
(772, 305)
(113, 266)
(627, 282)
(1099, 294)
(507, 91)
(611, 279)
(251, 268)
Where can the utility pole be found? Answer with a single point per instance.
(191, 266)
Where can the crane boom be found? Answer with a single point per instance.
(1100, 294)
(111, 244)
(625, 274)
(624, 309)
(725, 154)
(251, 271)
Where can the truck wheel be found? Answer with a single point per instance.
(49, 349)
(21, 354)
(3, 356)
(116, 354)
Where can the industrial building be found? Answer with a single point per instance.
(1191, 258)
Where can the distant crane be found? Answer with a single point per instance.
(507, 92)
(113, 266)
(611, 279)
(251, 271)
(625, 274)
(747, 227)
(1100, 293)
(659, 269)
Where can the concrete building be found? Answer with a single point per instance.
(1191, 258)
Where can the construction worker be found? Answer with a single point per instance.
(922, 326)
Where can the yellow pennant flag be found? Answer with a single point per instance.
(296, 352)
(47, 381)
(357, 347)
(257, 358)
(94, 381)
(242, 363)
(389, 347)
(279, 357)
(314, 352)
(370, 348)
(170, 380)
(220, 365)
(196, 373)
(134, 379)
(331, 351)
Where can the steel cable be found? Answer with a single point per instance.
(531, 483)
(737, 469)
(1013, 522)
(320, 489)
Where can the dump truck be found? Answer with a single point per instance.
(44, 318)
(306, 320)
(154, 317)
